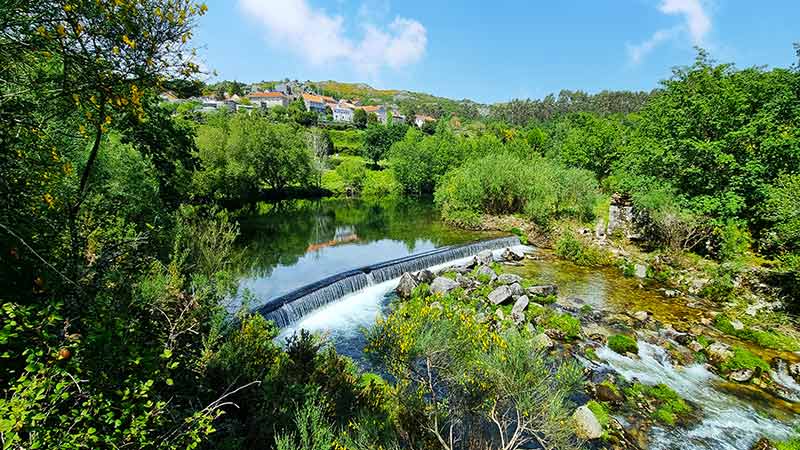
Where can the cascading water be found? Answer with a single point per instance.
(728, 423)
(291, 307)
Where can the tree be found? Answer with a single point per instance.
(378, 139)
(372, 118)
(360, 118)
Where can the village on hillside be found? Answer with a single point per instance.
(284, 93)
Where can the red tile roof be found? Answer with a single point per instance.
(267, 94)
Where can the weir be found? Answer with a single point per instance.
(289, 308)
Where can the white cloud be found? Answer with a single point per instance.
(696, 22)
(321, 38)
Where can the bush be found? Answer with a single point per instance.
(332, 181)
(380, 183)
(352, 171)
(579, 252)
(622, 344)
(505, 184)
(566, 324)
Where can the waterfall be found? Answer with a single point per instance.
(289, 308)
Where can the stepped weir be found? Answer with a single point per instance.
(291, 307)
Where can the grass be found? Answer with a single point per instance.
(622, 344)
(581, 253)
(569, 326)
(744, 359)
(669, 406)
(600, 412)
(768, 339)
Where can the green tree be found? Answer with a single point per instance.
(360, 118)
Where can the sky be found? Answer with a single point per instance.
(490, 51)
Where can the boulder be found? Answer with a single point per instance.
(520, 305)
(596, 332)
(606, 393)
(442, 285)
(512, 254)
(500, 295)
(543, 290)
(640, 270)
(485, 257)
(737, 325)
(499, 314)
(586, 424)
(542, 341)
(794, 371)
(406, 285)
(509, 278)
(641, 316)
(518, 317)
(741, 376)
(718, 352)
(425, 276)
(486, 272)
(763, 444)
(695, 346)
(465, 282)
(516, 289)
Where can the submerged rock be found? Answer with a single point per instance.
(509, 278)
(443, 285)
(586, 424)
(718, 352)
(543, 290)
(406, 285)
(500, 295)
(741, 376)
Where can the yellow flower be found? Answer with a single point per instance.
(49, 200)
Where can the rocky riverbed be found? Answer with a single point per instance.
(659, 372)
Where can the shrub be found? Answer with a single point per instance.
(622, 344)
(353, 171)
(566, 324)
(381, 183)
(332, 181)
(579, 252)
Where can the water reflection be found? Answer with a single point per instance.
(293, 243)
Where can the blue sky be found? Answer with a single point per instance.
(490, 51)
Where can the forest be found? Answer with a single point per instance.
(118, 227)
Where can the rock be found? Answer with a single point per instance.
(741, 376)
(707, 321)
(485, 257)
(543, 290)
(520, 305)
(500, 315)
(516, 289)
(486, 272)
(542, 341)
(695, 346)
(518, 317)
(511, 254)
(406, 285)
(641, 316)
(671, 293)
(595, 331)
(586, 424)
(500, 295)
(442, 285)
(481, 318)
(509, 278)
(737, 325)
(763, 444)
(696, 331)
(425, 276)
(640, 270)
(606, 393)
(718, 352)
(794, 371)
(465, 282)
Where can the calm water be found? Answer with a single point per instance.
(294, 243)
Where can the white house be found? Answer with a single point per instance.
(420, 120)
(342, 113)
(268, 99)
(379, 111)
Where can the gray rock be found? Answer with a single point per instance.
(511, 254)
(718, 352)
(500, 315)
(500, 295)
(516, 289)
(586, 424)
(485, 257)
(518, 317)
(543, 290)
(737, 325)
(595, 331)
(442, 285)
(509, 278)
(406, 285)
(741, 376)
(486, 273)
(520, 305)
(425, 276)
(542, 341)
(640, 270)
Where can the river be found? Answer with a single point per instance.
(291, 244)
